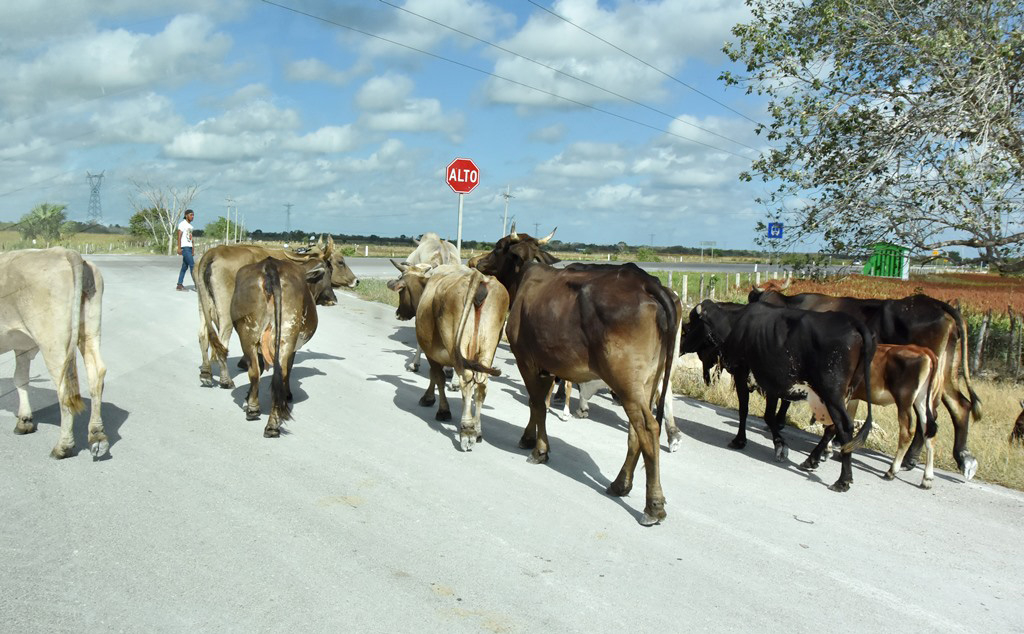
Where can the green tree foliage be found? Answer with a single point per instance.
(46, 221)
(145, 224)
(216, 230)
(897, 120)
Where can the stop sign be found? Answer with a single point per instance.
(462, 175)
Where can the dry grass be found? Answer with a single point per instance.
(998, 461)
(376, 291)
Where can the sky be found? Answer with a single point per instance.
(350, 110)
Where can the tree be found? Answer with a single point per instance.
(217, 229)
(145, 224)
(47, 221)
(895, 120)
(166, 205)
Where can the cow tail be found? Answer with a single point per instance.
(934, 392)
(208, 319)
(272, 288)
(868, 354)
(67, 389)
(669, 342)
(961, 328)
(475, 296)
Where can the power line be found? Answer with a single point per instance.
(652, 67)
(496, 76)
(569, 75)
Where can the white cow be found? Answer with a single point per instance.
(52, 301)
(430, 249)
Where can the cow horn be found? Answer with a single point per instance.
(400, 266)
(512, 235)
(698, 309)
(547, 239)
(789, 281)
(416, 241)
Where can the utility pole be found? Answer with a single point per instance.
(288, 217)
(504, 220)
(238, 228)
(536, 228)
(227, 216)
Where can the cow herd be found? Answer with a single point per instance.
(586, 324)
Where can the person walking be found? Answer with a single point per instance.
(185, 248)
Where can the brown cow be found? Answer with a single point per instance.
(904, 376)
(273, 311)
(215, 281)
(442, 299)
(1017, 433)
(610, 322)
(52, 303)
(920, 320)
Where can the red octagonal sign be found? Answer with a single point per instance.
(462, 175)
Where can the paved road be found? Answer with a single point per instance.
(366, 518)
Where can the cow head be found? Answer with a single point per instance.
(322, 256)
(766, 289)
(341, 275)
(510, 254)
(709, 325)
(409, 287)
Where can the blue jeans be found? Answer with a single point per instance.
(186, 264)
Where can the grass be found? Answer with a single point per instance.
(998, 461)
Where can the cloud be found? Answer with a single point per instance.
(149, 118)
(481, 19)
(326, 140)
(390, 108)
(592, 161)
(315, 70)
(549, 134)
(621, 196)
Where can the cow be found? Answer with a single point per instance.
(433, 251)
(52, 303)
(215, 281)
(919, 320)
(616, 323)
(790, 354)
(274, 314)
(459, 314)
(1017, 433)
(904, 376)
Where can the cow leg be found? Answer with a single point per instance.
(252, 399)
(813, 460)
(22, 360)
(66, 384)
(587, 390)
(929, 465)
(536, 434)
(564, 415)
(903, 416)
(205, 372)
(444, 412)
(775, 421)
(743, 395)
(469, 426)
(413, 364)
(959, 408)
(97, 372)
(644, 436)
(844, 429)
(222, 360)
(672, 433)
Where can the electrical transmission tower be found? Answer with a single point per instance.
(288, 217)
(95, 209)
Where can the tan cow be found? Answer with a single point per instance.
(215, 281)
(431, 249)
(273, 311)
(459, 314)
(905, 376)
(52, 303)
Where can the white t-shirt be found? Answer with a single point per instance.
(185, 227)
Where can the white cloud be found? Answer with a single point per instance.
(326, 140)
(595, 161)
(479, 18)
(385, 92)
(390, 108)
(620, 196)
(312, 69)
(150, 118)
(549, 134)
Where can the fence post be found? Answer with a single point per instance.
(685, 295)
(757, 278)
(700, 295)
(670, 280)
(980, 345)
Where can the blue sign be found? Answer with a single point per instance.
(775, 230)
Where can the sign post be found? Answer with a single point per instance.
(462, 175)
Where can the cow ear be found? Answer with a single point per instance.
(396, 285)
(330, 245)
(698, 309)
(316, 273)
(547, 258)
(400, 266)
(522, 250)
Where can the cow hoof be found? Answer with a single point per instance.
(738, 443)
(674, 441)
(619, 490)
(466, 442)
(840, 486)
(271, 432)
(889, 475)
(926, 483)
(781, 452)
(650, 520)
(206, 380)
(427, 401)
(582, 413)
(252, 415)
(228, 385)
(59, 453)
(24, 426)
(908, 464)
(99, 449)
(442, 415)
(536, 458)
(808, 465)
(527, 443)
(412, 367)
(968, 465)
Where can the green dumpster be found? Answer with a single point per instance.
(888, 260)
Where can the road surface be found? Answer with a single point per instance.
(365, 517)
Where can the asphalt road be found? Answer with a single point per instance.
(365, 517)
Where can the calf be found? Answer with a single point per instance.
(791, 354)
(459, 313)
(52, 303)
(274, 313)
(904, 376)
(1017, 433)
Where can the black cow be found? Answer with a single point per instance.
(920, 320)
(791, 354)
